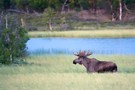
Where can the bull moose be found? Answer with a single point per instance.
(94, 65)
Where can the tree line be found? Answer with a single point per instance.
(114, 7)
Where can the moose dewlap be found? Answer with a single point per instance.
(94, 65)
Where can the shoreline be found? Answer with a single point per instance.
(126, 33)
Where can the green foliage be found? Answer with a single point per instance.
(49, 14)
(55, 4)
(1, 5)
(20, 4)
(6, 4)
(115, 4)
(130, 4)
(12, 43)
(38, 4)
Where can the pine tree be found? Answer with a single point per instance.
(13, 40)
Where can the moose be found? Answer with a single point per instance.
(92, 64)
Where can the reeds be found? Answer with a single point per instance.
(126, 33)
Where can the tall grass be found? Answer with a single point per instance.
(86, 33)
(56, 72)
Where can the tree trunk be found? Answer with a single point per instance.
(50, 25)
(11, 58)
(120, 10)
(95, 6)
(6, 22)
(63, 6)
(125, 7)
(1, 22)
(112, 11)
(22, 22)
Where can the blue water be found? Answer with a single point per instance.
(70, 45)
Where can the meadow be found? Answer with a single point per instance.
(57, 72)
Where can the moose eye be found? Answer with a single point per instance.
(81, 57)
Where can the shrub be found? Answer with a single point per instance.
(12, 40)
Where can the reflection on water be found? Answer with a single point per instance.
(70, 45)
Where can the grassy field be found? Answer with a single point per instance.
(56, 72)
(86, 33)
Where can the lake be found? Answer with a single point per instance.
(70, 45)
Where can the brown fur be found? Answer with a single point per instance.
(94, 65)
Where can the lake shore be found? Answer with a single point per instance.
(124, 33)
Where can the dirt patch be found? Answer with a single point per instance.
(90, 15)
(101, 15)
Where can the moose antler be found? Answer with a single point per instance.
(76, 54)
(89, 53)
(82, 53)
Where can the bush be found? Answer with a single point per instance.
(12, 41)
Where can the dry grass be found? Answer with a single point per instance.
(87, 33)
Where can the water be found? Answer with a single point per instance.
(70, 45)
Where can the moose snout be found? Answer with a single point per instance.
(74, 62)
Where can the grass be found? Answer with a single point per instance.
(56, 72)
(124, 33)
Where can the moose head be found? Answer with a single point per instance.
(81, 56)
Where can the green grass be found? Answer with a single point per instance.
(124, 33)
(56, 72)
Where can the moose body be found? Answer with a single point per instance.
(94, 65)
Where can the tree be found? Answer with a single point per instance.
(120, 10)
(1, 6)
(20, 4)
(55, 4)
(116, 9)
(6, 4)
(63, 6)
(130, 4)
(48, 14)
(13, 38)
(38, 5)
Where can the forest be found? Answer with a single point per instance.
(115, 9)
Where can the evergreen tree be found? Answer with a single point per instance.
(13, 40)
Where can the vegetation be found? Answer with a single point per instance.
(65, 18)
(68, 14)
(86, 33)
(63, 22)
(12, 40)
(116, 8)
(57, 72)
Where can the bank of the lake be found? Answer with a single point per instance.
(124, 33)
